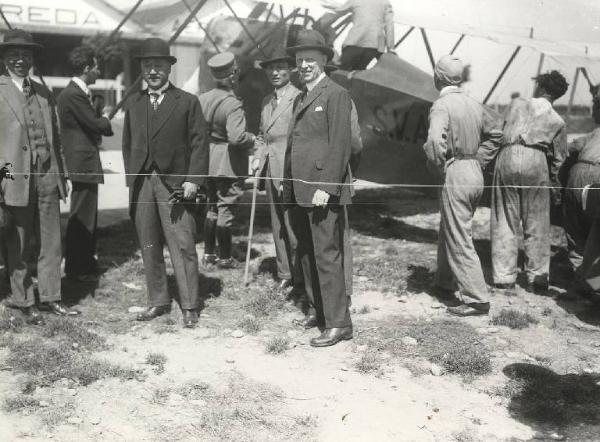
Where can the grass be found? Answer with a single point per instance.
(453, 345)
(20, 402)
(365, 309)
(277, 345)
(514, 319)
(158, 361)
(369, 363)
(263, 302)
(250, 324)
(73, 332)
(9, 321)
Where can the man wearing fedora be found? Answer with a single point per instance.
(277, 111)
(30, 203)
(317, 186)
(230, 145)
(165, 152)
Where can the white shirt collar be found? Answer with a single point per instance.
(161, 90)
(448, 89)
(79, 82)
(311, 85)
(18, 81)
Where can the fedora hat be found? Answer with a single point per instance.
(280, 54)
(155, 48)
(311, 39)
(18, 38)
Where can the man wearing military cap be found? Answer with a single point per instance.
(30, 202)
(317, 186)
(230, 146)
(165, 151)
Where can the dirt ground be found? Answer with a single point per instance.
(412, 373)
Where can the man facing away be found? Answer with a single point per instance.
(463, 138)
(317, 186)
(526, 181)
(230, 146)
(165, 150)
(30, 203)
(81, 130)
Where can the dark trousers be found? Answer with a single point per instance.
(80, 247)
(320, 234)
(41, 217)
(156, 222)
(355, 58)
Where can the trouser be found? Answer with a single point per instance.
(356, 58)
(156, 222)
(576, 223)
(514, 207)
(458, 263)
(222, 195)
(41, 217)
(80, 241)
(320, 233)
(590, 267)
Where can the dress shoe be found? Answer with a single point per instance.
(32, 316)
(479, 309)
(226, 263)
(309, 321)
(332, 336)
(153, 312)
(209, 259)
(538, 288)
(285, 284)
(190, 318)
(59, 309)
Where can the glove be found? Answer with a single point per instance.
(176, 196)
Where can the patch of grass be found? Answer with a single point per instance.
(20, 402)
(368, 363)
(47, 362)
(264, 302)
(454, 345)
(514, 319)
(73, 332)
(365, 309)
(250, 324)
(160, 395)
(277, 345)
(9, 321)
(157, 360)
(57, 414)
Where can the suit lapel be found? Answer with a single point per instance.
(286, 102)
(13, 97)
(312, 96)
(268, 112)
(43, 100)
(165, 109)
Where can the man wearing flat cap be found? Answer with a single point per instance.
(230, 145)
(277, 110)
(317, 186)
(463, 138)
(165, 150)
(30, 203)
(526, 183)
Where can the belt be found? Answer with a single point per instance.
(465, 156)
(591, 163)
(534, 147)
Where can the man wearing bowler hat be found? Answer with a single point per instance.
(165, 152)
(317, 185)
(30, 202)
(230, 146)
(275, 119)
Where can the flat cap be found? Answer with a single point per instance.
(222, 65)
(449, 70)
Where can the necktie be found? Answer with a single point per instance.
(274, 102)
(27, 91)
(154, 100)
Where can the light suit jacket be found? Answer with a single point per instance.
(273, 130)
(14, 142)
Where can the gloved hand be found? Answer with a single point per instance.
(176, 196)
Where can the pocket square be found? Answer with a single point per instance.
(319, 109)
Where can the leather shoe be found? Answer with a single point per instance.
(481, 309)
(153, 312)
(332, 336)
(285, 284)
(190, 318)
(226, 263)
(59, 309)
(32, 316)
(309, 321)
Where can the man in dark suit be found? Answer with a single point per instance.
(165, 150)
(29, 204)
(81, 129)
(317, 185)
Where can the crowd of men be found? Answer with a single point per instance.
(179, 148)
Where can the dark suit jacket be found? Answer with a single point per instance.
(80, 130)
(179, 141)
(319, 143)
(14, 141)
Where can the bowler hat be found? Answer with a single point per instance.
(222, 65)
(311, 39)
(18, 38)
(155, 48)
(279, 55)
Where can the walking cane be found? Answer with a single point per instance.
(251, 229)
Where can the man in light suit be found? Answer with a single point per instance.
(81, 129)
(30, 203)
(372, 31)
(165, 150)
(269, 159)
(317, 186)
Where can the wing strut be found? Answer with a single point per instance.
(497, 82)
(257, 44)
(202, 28)
(428, 47)
(404, 37)
(457, 44)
